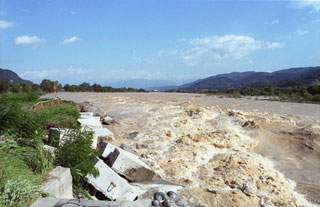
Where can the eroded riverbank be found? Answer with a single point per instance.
(218, 153)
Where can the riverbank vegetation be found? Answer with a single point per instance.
(24, 163)
(300, 94)
(49, 86)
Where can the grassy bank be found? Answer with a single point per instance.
(23, 161)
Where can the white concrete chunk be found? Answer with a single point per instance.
(59, 183)
(90, 117)
(107, 120)
(130, 166)
(90, 123)
(148, 188)
(58, 136)
(106, 150)
(111, 184)
(86, 113)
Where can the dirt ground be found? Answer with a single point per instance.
(225, 151)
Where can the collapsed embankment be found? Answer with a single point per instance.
(219, 155)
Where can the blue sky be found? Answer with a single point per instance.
(105, 41)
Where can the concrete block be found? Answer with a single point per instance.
(56, 202)
(59, 183)
(147, 189)
(100, 133)
(106, 150)
(90, 117)
(58, 136)
(130, 166)
(91, 123)
(86, 113)
(128, 149)
(111, 184)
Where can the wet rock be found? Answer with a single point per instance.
(132, 135)
(149, 188)
(107, 120)
(182, 202)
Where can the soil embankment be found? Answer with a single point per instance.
(226, 152)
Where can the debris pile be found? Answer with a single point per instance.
(123, 176)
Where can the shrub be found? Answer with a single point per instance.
(16, 120)
(38, 159)
(76, 154)
(18, 192)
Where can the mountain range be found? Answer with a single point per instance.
(10, 76)
(282, 78)
(302, 76)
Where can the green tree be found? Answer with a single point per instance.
(47, 85)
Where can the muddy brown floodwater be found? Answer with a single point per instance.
(224, 151)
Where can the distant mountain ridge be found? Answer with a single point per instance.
(10, 76)
(288, 77)
(141, 83)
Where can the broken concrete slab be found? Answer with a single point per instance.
(58, 136)
(111, 184)
(130, 166)
(56, 202)
(91, 123)
(59, 183)
(127, 148)
(100, 134)
(148, 188)
(86, 113)
(106, 150)
(90, 117)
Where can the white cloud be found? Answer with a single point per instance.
(5, 24)
(299, 4)
(214, 48)
(71, 40)
(276, 21)
(28, 40)
(302, 32)
(62, 75)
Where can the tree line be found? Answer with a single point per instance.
(50, 86)
(296, 93)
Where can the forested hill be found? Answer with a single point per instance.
(10, 76)
(288, 77)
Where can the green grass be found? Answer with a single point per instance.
(23, 162)
(13, 168)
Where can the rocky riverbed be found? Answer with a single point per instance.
(226, 152)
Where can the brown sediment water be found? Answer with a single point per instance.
(226, 152)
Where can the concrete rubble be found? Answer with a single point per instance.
(90, 123)
(123, 176)
(58, 136)
(111, 184)
(130, 166)
(57, 202)
(59, 183)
